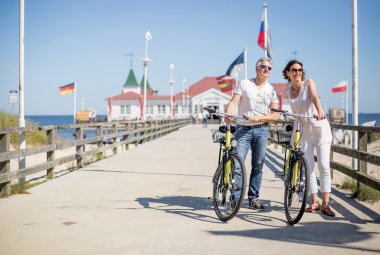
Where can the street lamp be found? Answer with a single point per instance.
(187, 101)
(171, 82)
(183, 96)
(145, 60)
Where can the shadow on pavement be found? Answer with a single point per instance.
(333, 234)
(197, 208)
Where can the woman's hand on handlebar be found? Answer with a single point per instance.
(320, 115)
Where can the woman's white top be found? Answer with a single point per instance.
(303, 104)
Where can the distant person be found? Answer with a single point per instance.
(316, 134)
(194, 118)
(205, 116)
(200, 117)
(255, 97)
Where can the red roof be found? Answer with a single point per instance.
(133, 95)
(280, 88)
(201, 86)
(197, 88)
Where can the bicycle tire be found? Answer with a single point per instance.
(295, 198)
(226, 206)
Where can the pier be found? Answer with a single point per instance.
(153, 199)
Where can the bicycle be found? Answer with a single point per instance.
(295, 169)
(228, 183)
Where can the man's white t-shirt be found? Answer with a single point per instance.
(254, 100)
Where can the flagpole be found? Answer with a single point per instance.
(355, 84)
(75, 99)
(21, 121)
(245, 63)
(265, 6)
(347, 102)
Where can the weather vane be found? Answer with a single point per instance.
(130, 55)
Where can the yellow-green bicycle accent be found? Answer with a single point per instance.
(295, 170)
(229, 181)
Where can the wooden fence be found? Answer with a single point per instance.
(119, 135)
(361, 154)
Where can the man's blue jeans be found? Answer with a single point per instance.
(255, 139)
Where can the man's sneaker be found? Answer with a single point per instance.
(255, 204)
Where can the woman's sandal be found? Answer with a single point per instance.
(313, 208)
(326, 210)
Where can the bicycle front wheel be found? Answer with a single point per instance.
(296, 188)
(228, 196)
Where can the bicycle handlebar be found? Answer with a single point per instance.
(223, 114)
(289, 114)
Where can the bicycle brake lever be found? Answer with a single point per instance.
(245, 117)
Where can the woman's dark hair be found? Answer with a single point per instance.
(287, 69)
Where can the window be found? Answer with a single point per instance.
(128, 109)
(122, 109)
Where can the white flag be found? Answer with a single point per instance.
(148, 35)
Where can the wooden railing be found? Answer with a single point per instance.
(119, 136)
(361, 154)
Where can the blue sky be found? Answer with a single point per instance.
(86, 41)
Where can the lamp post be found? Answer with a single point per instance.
(145, 60)
(183, 96)
(171, 82)
(187, 101)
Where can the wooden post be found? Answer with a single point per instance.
(332, 156)
(80, 148)
(114, 130)
(126, 137)
(362, 165)
(5, 188)
(99, 132)
(50, 155)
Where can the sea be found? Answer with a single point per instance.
(57, 120)
(68, 134)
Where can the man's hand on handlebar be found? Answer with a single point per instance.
(227, 120)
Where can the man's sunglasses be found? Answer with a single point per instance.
(266, 67)
(294, 70)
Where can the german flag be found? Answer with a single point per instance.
(67, 89)
(226, 83)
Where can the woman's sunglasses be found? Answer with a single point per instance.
(294, 70)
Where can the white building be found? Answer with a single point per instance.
(204, 93)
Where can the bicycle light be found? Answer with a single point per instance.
(233, 143)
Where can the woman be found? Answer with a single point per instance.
(316, 133)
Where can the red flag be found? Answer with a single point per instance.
(110, 106)
(340, 87)
(261, 40)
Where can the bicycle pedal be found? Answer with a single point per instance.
(279, 175)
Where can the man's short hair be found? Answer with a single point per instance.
(261, 60)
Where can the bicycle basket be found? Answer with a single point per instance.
(284, 136)
(216, 135)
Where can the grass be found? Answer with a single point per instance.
(364, 193)
(18, 188)
(32, 138)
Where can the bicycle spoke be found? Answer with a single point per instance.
(229, 196)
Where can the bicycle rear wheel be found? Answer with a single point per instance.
(228, 197)
(295, 196)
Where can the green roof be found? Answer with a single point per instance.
(147, 84)
(131, 80)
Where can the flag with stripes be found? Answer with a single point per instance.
(67, 89)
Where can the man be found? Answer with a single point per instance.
(255, 98)
(205, 118)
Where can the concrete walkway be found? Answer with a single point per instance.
(152, 199)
